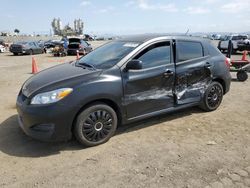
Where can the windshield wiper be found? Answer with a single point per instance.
(85, 65)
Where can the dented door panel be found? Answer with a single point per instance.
(146, 91)
(192, 79)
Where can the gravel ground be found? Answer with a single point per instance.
(189, 148)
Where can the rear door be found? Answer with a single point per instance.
(192, 71)
(86, 46)
(151, 88)
(37, 48)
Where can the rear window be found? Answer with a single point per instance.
(74, 40)
(187, 50)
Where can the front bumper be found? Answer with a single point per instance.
(45, 122)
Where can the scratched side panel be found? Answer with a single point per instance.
(192, 80)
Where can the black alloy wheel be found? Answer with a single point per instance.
(242, 75)
(212, 97)
(95, 125)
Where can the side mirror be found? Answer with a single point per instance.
(134, 65)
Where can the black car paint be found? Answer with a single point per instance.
(26, 48)
(73, 46)
(134, 94)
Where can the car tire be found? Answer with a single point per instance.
(95, 125)
(15, 53)
(84, 52)
(242, 75)
(30, 52)
(212, 97)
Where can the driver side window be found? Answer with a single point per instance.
(155, 55)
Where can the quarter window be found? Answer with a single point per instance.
(155, 55)
(189, 50)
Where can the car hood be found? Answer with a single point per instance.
(60, 76)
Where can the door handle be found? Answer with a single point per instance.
(207, 64)
(168, 73)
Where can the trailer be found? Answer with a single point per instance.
(242, 67)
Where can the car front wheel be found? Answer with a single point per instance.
(212, 97)
(95, 125)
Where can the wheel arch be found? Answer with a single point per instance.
(222, 82)
(106, 101)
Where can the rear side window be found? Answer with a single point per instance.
(155, 55)
(31, 44)
(84, 44)
(187, 50)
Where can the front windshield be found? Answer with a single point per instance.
(108, 55)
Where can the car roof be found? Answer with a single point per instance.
(146, 37)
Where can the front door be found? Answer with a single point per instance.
(151, 88)
(193, 73)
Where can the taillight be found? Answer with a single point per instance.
(227, 62)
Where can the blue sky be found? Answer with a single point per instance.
(128, 17)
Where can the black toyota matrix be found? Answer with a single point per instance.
(120, 82)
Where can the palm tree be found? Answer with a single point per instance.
(16, 31)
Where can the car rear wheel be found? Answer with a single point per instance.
(95, 125)
(242, 75)
(30, 52)
(84, 52)
(212, 97)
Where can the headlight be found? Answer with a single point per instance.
(51, 96)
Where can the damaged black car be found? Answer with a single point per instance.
(121, 82)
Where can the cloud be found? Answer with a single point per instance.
(106, 9)
(129, 3)
(145, 5)
(236, 6)
(211, 1)
(85, 3)
(196, 10)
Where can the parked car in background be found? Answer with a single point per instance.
(78, 44)
(244, 45)
(216, 36)
(236, 39)
(2, 42)
(121, 82)
(88, 37)
(52, 43)
(2, 48)
(26, 48)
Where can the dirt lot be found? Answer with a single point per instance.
(189, 148)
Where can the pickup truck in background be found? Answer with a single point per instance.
(236, 41)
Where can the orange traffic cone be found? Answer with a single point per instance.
(244, 56)
(34, 66)
(77, 55)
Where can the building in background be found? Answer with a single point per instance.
(78, 26)
(58, 29)
(57, 26)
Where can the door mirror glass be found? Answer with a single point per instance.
(134, 65)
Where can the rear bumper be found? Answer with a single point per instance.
(227, 83)
(74, 51)
(18, 50)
